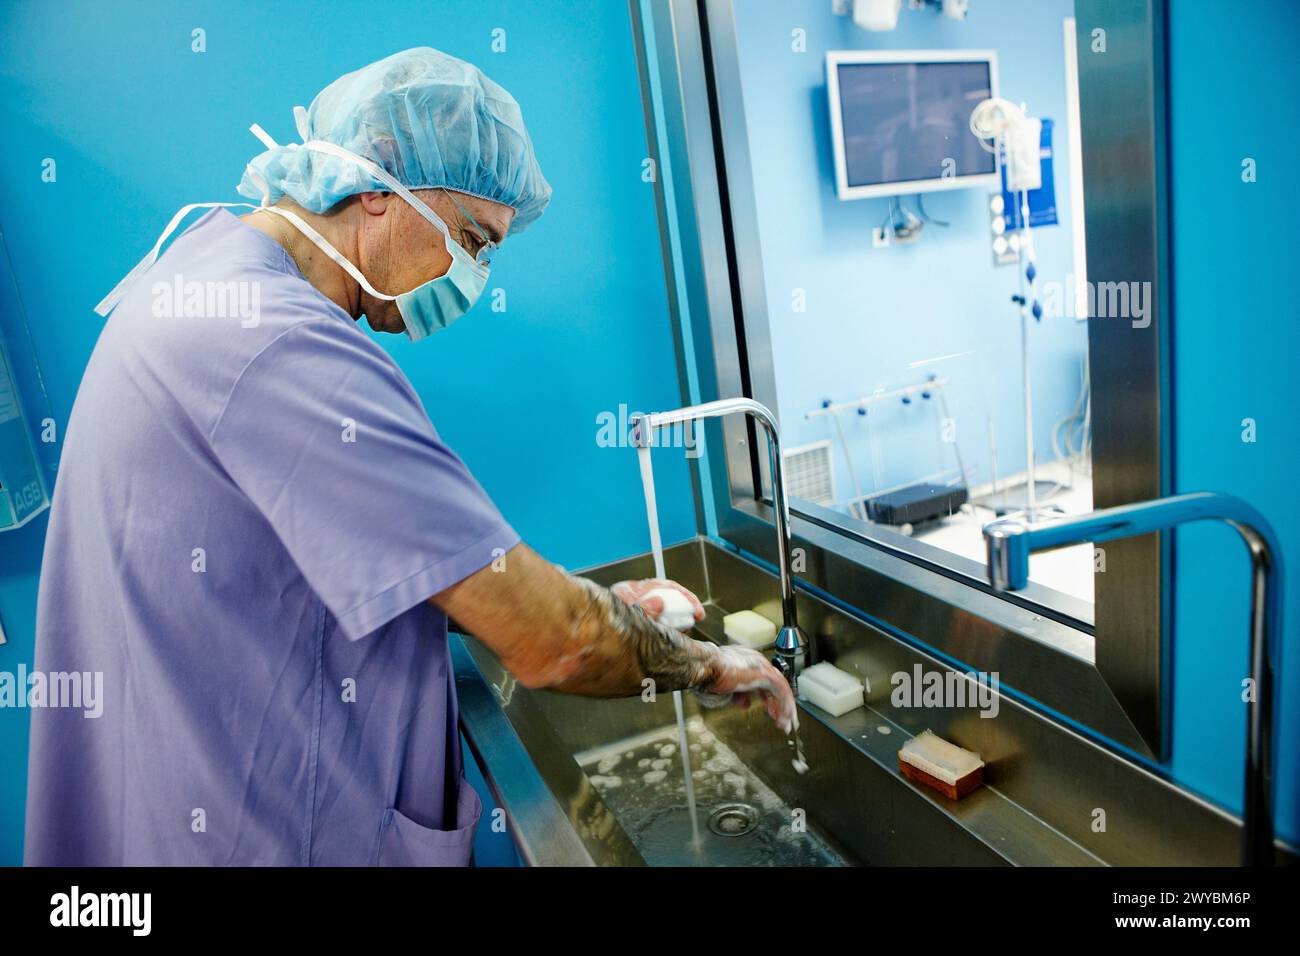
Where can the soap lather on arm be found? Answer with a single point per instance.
(564, 632)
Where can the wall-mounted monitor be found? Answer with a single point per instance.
(900, 120)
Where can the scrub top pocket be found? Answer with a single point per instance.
(403, 842)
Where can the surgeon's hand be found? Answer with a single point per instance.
(639, 594)
(738, 673)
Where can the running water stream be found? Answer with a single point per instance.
(657, 547)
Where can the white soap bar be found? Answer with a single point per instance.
(833, 690)
(940, 759)
(752, 630)
(677, 613)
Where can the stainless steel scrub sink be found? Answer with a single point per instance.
(594, 782)
(600, 782)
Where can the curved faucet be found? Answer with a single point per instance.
(791, 644)
(1010, 541)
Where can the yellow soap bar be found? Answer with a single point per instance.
(750, 629)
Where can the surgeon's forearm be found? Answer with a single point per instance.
(551, 629)
(620, 649)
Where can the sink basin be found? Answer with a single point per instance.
(740, 820)
(614, 770)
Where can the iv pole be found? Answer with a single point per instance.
(1025, 251)
(1001, 121)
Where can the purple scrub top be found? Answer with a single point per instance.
(251, 510)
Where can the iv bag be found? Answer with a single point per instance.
(24, 492)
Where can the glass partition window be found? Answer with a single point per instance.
(926, 342)
(934, 250)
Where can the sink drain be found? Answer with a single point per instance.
(733, 819)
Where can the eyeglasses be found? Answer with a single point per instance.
(483, 256)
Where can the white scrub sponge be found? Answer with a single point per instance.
(833, 690)
(751, 629)
(678, 613)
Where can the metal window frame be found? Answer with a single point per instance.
(1114, 687)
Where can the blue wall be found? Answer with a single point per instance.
(1234, 80)
(871, 312)
(140, 125)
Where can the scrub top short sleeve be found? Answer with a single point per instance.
(337, 453)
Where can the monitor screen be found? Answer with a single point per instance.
(905, 122)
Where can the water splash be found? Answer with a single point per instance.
(657, 549)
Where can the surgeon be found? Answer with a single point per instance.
(257, 534)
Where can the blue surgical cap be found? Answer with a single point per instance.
(429, 119)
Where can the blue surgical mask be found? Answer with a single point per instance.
(432, 305)
(438, 303)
